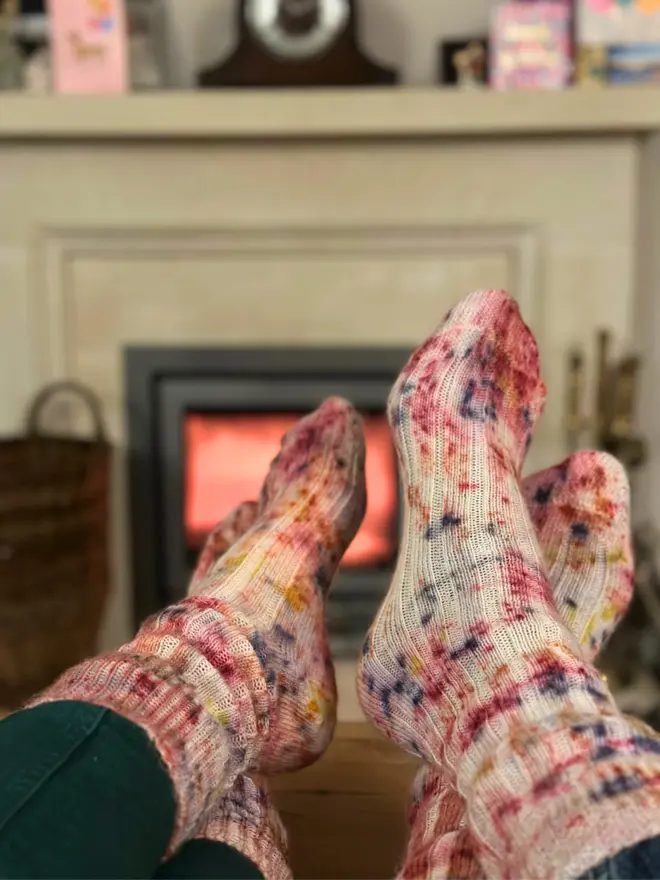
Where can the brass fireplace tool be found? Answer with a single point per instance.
(610, 427)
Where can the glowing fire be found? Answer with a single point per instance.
(227, 457)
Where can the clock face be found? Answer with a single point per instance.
(296, 29)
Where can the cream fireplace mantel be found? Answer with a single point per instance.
(346, 218)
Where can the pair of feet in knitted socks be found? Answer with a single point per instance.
(472, 663)
(579, 511)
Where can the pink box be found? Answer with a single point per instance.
(89, 46)
(531, 45)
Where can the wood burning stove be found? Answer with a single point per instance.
(203, 425)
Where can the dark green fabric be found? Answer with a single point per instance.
(83, 793)
(208, 860)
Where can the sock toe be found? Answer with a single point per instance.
(502, 388)
(322, 457)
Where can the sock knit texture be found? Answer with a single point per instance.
(580, 510)
(468, 663)
(238, 677)
(221, 538)
(246, 819)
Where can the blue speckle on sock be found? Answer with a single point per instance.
(554, 682)
(595, 692)
(271, 677)
(258, 643)
(284, 635)
(385, 701)
(322, 579)
(371, 684)
(527, 417)
(597, 730)
(448, 521)
(466, 404)
(603, 752)
(543, 494)
(427, 617)
(646, 744)
(621, 784)
(580, 530)
(468, 647)
(418, 695)
(571, 603)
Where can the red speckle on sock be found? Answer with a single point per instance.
(145, 684)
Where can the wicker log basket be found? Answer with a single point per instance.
(53, 548)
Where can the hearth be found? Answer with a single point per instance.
(203, 425)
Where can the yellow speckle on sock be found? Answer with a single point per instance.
(295, 597)
(218, 714)
(551, 554)
(609, 613)
(234, 562)
(317, 705)
(416, 665)
(483, 771)
(589, 629)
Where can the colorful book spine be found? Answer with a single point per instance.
(89, 46)
(532, 45)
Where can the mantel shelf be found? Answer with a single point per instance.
(329, 114)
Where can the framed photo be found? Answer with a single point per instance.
(464, 63)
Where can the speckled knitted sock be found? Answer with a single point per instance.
(238, 677)
(581, 513)
(468, 663)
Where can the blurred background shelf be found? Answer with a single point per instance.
(330, 114)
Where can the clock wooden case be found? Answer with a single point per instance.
(297, 43)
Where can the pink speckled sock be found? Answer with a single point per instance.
(238, 676)
(468, 663)
(581, 513)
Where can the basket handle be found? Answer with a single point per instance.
(85, 394)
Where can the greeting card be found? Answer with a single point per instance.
(620, 22)
(89, 46)
(531, 45)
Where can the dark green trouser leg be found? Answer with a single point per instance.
(207, 860)
(83, 793)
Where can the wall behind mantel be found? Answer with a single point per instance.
(403, 34)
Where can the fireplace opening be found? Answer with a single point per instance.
(227, 456)
(203, 427)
